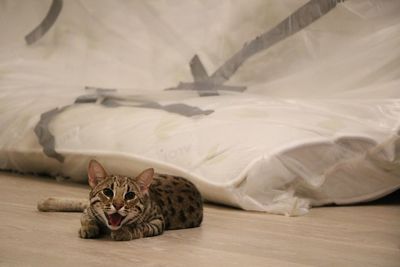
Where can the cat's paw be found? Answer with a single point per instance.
(126, 234)
(89, 232)
(122, 234)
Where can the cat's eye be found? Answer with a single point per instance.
(129, 195)
(108, 192)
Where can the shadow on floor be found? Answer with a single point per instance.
(392, 199)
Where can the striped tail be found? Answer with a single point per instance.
(63, 204)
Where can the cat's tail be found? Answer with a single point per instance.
(62, 204)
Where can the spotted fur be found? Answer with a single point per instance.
(130, 208)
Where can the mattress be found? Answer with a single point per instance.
(310, 118)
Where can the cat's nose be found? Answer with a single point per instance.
(118, 206)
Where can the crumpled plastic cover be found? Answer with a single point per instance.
(312, 119)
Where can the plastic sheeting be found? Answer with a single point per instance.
(310, 118)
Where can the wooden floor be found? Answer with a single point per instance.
(367, 235)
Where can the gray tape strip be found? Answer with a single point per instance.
(201, 78)
(177, 108)
(96, 93)
(86, 99)
(101, 90)
(207, 87)
(46, 23)
(199, 72)
(45, 137)
(301, 18)
(202, 82)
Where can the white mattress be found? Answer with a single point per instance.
(317, 123)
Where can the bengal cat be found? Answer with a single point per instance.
(130, 208)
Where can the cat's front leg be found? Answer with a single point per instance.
(89, 227)
(153, 228)
(126, 233)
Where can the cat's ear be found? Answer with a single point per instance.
(144, 180)
(96, 173)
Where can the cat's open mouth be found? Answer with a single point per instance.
(114, 219)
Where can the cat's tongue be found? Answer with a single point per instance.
(114, 219)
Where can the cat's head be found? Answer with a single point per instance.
(118, 200)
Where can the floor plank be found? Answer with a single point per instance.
(363, 235)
